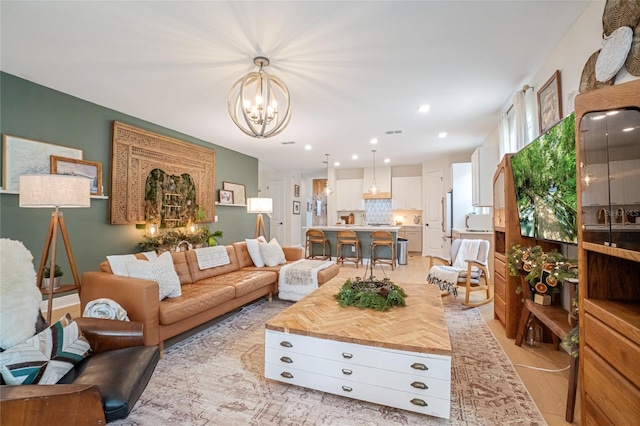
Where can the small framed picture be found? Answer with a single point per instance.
(309, 206)
(296, 191)
(226, 196)
(72, 166)
(238, 192)
(296, 207)
(549, 103)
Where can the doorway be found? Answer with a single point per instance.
(275, 191)
(434, 241)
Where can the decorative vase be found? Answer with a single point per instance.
(56, 283)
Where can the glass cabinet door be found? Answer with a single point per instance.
(610, 177)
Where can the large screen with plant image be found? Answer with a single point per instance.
(544, 173)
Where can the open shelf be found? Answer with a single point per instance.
(62, 289)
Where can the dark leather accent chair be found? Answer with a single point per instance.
(101, 388)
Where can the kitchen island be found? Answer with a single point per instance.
(364, 234)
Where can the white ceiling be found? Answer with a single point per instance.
(354, 69)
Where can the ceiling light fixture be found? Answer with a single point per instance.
(373, 189)
(424, 108)
(327, 188)
(261, 102)
(442, 135)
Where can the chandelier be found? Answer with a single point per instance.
(373, 189)
(327, 189)
(259, 103)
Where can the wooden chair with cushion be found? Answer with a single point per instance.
(379, 240)
(316, 237)
(468, 266)
(348, 240)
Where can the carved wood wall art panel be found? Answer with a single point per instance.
(136, 153)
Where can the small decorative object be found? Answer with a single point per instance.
(549, 103)
(296, 207)
(416, 219)
(534, 333)
(542, 299)
(296, 190)
(226, 197)
(371, 293)
(544, 271)
(46, 277)
(613, 54)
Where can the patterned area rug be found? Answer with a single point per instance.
(216, 377)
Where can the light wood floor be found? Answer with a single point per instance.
(548, 390)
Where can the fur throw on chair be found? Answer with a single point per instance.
(19, 295)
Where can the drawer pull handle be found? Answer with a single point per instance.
(286, 375)
(419, 402)
(419, 366)
(419, 385)
(286, 344)
(347, 389)
(347, 355)
(286, 359)
(347, 372)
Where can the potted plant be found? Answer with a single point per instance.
(46, 277)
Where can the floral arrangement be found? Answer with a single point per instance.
(371, 293)
(172, 238)
(543, 270)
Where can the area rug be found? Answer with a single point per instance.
(216, 377)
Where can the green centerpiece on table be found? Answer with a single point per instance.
(371, 293)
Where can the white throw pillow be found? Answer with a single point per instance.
(254, 250)
(118, 262)
(272, 253)
(161, 271)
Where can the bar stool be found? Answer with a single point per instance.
(383, 239)
(348, 239)
(314, 237)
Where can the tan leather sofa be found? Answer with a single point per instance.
(206, 294)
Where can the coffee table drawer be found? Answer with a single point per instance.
(412, 363)
(415, 402)
(411, 383)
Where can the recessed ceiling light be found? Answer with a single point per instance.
(373, 141)
(354, 157)
(337, 163)
(442, 135)
(387, 160)
(307, 147)
(424, 108)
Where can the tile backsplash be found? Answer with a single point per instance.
(378, 211)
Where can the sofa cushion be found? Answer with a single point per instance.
(254, 250)
(196, 298)
(160, 270)
(47, 356)
(199, 275)
(245, 281)
(121, 375)
(272, 253)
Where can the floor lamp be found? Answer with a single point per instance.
(259, 205)
(55, 191)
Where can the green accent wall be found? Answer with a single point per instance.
(36, 112)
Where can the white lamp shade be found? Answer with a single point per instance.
(40, 191)
(259, 205)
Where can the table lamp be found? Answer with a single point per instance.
(55, 191)
(259, 205)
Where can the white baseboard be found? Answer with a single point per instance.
(61, 302)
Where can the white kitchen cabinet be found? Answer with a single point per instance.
(413, 235)
(484, 162)
(349, 195)
(383, 181)
(406, 193)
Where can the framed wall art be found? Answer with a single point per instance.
(549, 103)
(296, 207)
(296, 191)
(239, 196)
(70, 166)
(22, 156)
(226, 197)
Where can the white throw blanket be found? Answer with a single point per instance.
(106, 309)
(300, 278)
(210, 257)
(446, 277)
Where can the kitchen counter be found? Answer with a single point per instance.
(468, 231)
(364, 235)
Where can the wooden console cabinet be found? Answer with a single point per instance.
(608, 134)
